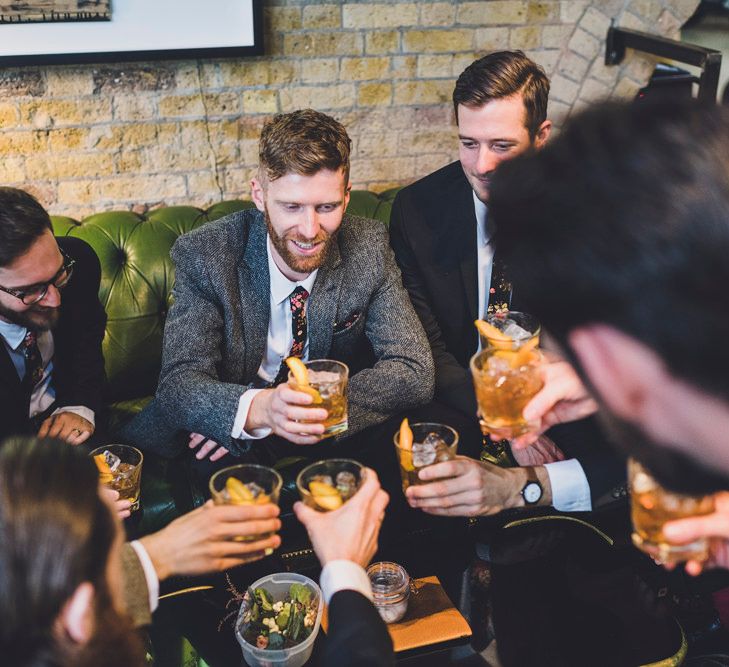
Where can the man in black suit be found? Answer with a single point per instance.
(440, 232)
(51, 364)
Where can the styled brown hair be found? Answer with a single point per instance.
(303, 142)
(503, 74)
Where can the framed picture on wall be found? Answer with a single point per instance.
(93, 31)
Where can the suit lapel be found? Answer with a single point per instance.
(463, 216)
(255, 295)
(322, 306)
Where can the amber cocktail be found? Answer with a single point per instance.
(506, 372)
(425, 444)
(326, 381)
(120, 468)
(651, 506)
(326, 485)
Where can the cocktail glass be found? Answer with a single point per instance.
(506, 373)
(651, 506)
(328, 380)
(326, 485)
(123, 471)
(246, 484)
(432, 443)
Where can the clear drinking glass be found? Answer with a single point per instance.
(432, 443)
(326, 485)
(123, 471)
(651, 506)
(506, 373)
(246, 484)
(328, 379)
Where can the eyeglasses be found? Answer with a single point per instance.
(35, 294)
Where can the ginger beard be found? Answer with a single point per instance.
(296, 262)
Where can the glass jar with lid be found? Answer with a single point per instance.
(390, 590)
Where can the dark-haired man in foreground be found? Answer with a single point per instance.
(617, 237)
(441, 231)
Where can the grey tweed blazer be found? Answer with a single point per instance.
(215, 334)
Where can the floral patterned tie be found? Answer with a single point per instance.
(33, 362)
(297, 301)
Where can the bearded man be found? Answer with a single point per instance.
(51, 326)
(293, 277)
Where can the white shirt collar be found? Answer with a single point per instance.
(485, 230)
(13, 333)
(281, 286)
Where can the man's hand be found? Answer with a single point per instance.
(202, 540)
(209, 447)
(120, 507)
(714, 526)
(563, 398)
(541, 452)
(465, 487)
(349, 533)
(67, 426)
(288, 413)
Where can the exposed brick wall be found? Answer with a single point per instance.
(86, 139)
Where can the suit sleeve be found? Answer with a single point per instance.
(357, 635)
(136, 593)
(403, 375)
(79, 376)
(453, 383)
(190, 394)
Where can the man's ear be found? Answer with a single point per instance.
(77, 615)
(258, 193)
(624, 372)
(543, 133)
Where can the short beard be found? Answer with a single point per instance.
(294, 262)
(115, 643)
(36, 318)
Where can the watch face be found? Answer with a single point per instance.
(532, 492)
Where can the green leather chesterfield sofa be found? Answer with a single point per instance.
(137, 276)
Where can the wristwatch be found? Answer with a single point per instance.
(532, 490)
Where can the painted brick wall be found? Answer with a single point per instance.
(91, 138)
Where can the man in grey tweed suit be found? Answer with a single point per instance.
(230, 325)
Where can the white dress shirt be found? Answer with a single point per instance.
(340, 575)
(278, 342)
(570, 489)
(44, 393)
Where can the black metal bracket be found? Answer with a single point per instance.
(709, 60)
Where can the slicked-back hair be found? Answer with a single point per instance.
(624, 220)
(303, 142)
(504, 74)
(22, 221)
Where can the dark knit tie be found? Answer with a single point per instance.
(33, 363)
(297, 301)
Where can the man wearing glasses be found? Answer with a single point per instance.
(51, 326)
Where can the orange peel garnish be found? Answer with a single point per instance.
(301, 377)
(105, 474)
(496, 337)
(325, 495)
(406, 435)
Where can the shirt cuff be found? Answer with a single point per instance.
(341, 575)
(80, 410)
(150, 574)
(570, 488)
(244, 405)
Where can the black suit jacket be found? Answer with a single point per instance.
(357, 635)
(433, 234)
(78, 363)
